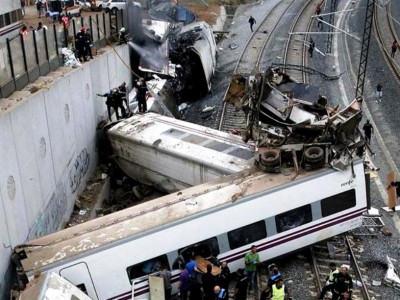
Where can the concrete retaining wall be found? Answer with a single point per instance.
(47, 149)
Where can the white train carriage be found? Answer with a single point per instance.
(222, 218)
(173, 155)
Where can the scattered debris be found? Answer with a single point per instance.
(70, 59)
(208, 109)
(233, 46)
(391, 276)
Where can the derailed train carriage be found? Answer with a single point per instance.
(112, 256)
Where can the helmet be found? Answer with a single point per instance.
(122, 29)
(83, 29)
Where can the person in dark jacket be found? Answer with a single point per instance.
(224, 276)
(242, 283)
(109, 102)
(88, 44)
(342, 283)
(311, 47)
(124, 94)
(80, 44)
(209, 282)
(118, 103)
(141, 91)
(252, 21)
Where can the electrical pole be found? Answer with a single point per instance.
(369, 16)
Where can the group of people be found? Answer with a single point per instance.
(115, 99)
(195, 285)
(338, 282)
(83, 45)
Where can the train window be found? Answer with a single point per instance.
(207, 249)
(337, 203)
(147, 267)
(82, 287)
(247, 234)
(293, 218)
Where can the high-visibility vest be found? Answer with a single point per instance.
(278, 294)
(332, 275)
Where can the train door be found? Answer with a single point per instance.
(79, 275)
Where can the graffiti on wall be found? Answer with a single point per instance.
(79, 169)
(53, 214)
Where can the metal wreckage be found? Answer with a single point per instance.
(182, 59)
(293, 125)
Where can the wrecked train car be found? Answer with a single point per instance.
(172, 155)
(185, 55)
(293, 125)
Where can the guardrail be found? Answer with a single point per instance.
(26, 57)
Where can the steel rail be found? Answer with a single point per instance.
(364, 289)
(254, 47)
(383, 26)
(290, 55)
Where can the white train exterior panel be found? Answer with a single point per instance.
(173, 155)
(109, 245)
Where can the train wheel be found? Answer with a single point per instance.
(314, 154)
(270, 157)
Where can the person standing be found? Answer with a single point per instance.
(80, 44)
(368, 131)
(122, 89)
(224, 276)
(318, 10)
(280, 291)
(329, 280)
(122, 36)
(320, 19)
(311, 47)
(166, 276)
(379, 92)
(209, 283)
(251, 260)
(88, 44)
(183, 283)
(109, 102)
(118, 103)
(39, 8)
(342, 283)
(141, 91)
(23, 7)
(252, 21)
(395, 45)
(241, 286)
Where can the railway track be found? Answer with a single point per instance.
(295, 52)
(385, 34)
(339, 250)
(249, 61)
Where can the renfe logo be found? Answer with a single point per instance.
(347, 183)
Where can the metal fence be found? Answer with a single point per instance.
(26, 57)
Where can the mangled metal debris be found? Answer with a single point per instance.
(392, 276)
(184, 55)
(292, 124)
